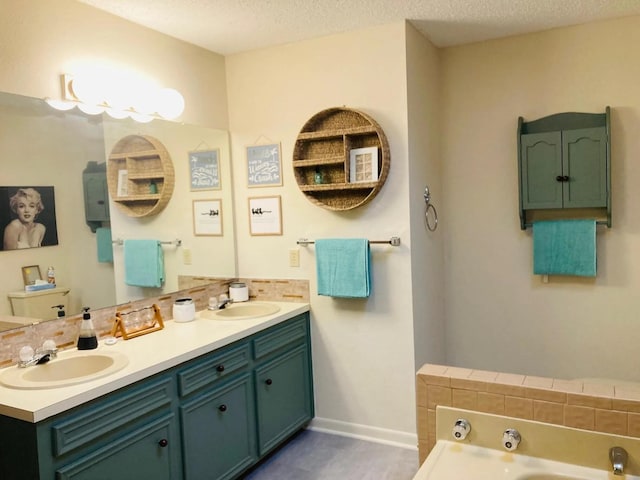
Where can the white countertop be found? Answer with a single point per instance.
(148, 354)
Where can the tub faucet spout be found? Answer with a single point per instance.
(618, 457)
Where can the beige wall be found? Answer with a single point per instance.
(425, 169)
(499, 315)
(362, 349)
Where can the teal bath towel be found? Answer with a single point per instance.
(143, 263)
(564, 247)
(105, 246)
(343, 267)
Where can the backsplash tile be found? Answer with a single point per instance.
(589, 406)
(65, 331)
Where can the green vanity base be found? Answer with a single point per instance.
(212, 417)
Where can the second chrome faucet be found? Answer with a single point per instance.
(618, 457)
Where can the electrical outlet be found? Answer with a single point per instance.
(294, 257)
(186, 256)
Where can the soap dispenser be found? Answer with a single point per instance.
(87, 339)
(60, 308)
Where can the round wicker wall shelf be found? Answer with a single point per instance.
(140, 175)
(341, 158)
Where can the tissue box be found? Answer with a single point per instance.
(41, 286)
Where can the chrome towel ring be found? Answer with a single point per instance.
(430, 219)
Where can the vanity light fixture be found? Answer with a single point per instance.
(118, 97)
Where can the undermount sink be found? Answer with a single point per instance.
(64, 370)
(241, 311)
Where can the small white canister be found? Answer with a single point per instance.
(238, 292)
(184, 310)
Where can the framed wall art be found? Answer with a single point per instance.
(265, 216)
(207, 217)
(30, 274)
(363, 165)
(28, 217)
(264, 168)
(204, 168)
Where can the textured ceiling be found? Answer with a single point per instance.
(232, 26)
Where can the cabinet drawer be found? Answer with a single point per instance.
(213, 368)
(109, 415)
(294, 331)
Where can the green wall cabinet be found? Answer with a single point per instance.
(210, 418)
(96, 195)
(564, 163)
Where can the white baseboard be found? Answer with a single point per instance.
(365, 432)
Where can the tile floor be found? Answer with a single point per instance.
(314, 455)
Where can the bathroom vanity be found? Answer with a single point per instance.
(204, 399)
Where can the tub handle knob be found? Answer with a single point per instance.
(461, 429)
(510, 439)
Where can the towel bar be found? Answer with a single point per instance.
(394, 241)
(598, 222)
(177, 242)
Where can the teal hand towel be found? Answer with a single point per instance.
(105, 246)
(564, 247)
(342, 267)
(143, 263)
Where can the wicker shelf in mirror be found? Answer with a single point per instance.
(146, 183)
(323, 147)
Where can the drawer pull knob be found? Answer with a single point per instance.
(163, 443)
(268, 381)
(222, 408)
(220, 368)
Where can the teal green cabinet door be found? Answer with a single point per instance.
(584, 156)
(565, 169)
(541, 167)
(283, 392)
(96, 197)
(150, 451)
(218, 432)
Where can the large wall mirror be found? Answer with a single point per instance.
(40, 146)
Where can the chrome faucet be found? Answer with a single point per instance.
(618, 457)
(28, 357)
(222, 303)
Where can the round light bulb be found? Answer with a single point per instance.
(117, 114)
(88, 89)
(138, 117)
(170, 103)
(90, 109)
(62, 105)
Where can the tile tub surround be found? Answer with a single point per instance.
(65, 331)
(595, 406)
(539, 441)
